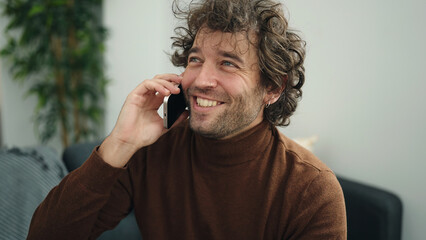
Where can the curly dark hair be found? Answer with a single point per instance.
(281, 52)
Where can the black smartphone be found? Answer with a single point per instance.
(173, 107)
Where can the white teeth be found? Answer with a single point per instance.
(205, 103)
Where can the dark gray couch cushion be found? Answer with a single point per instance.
(75, 155)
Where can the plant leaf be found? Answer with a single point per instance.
(36, 9)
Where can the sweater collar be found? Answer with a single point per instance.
(244, 147)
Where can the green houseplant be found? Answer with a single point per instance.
(56, 48)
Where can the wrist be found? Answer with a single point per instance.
(115, 152)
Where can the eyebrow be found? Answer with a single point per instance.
(232, 56)
(193, 50)
(226, 54)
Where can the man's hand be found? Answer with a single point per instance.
(139, 124)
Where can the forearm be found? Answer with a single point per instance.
(71, 209)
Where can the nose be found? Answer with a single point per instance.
(207, 76)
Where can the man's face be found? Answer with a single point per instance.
(222, 84)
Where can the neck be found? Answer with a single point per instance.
(242, 147)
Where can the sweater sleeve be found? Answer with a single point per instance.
(321, 212)
(88, 201)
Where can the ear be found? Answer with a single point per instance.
(272, 96)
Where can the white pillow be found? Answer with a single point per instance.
(307, 142)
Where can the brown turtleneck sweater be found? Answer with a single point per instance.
(257, 185)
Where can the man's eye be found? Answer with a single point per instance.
(228, 64)
(193, 59)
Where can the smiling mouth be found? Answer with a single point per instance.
(206, 103)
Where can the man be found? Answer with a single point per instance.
(224, 173)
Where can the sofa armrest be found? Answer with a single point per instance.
(372, 213)
(75, 155)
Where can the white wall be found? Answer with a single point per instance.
(364, 94)
(16, 112)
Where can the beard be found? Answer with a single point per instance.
(239, 112)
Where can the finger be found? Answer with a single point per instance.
(157, 101)
(159, 86)
(171, 86)
(171, 77)
(153, 87)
